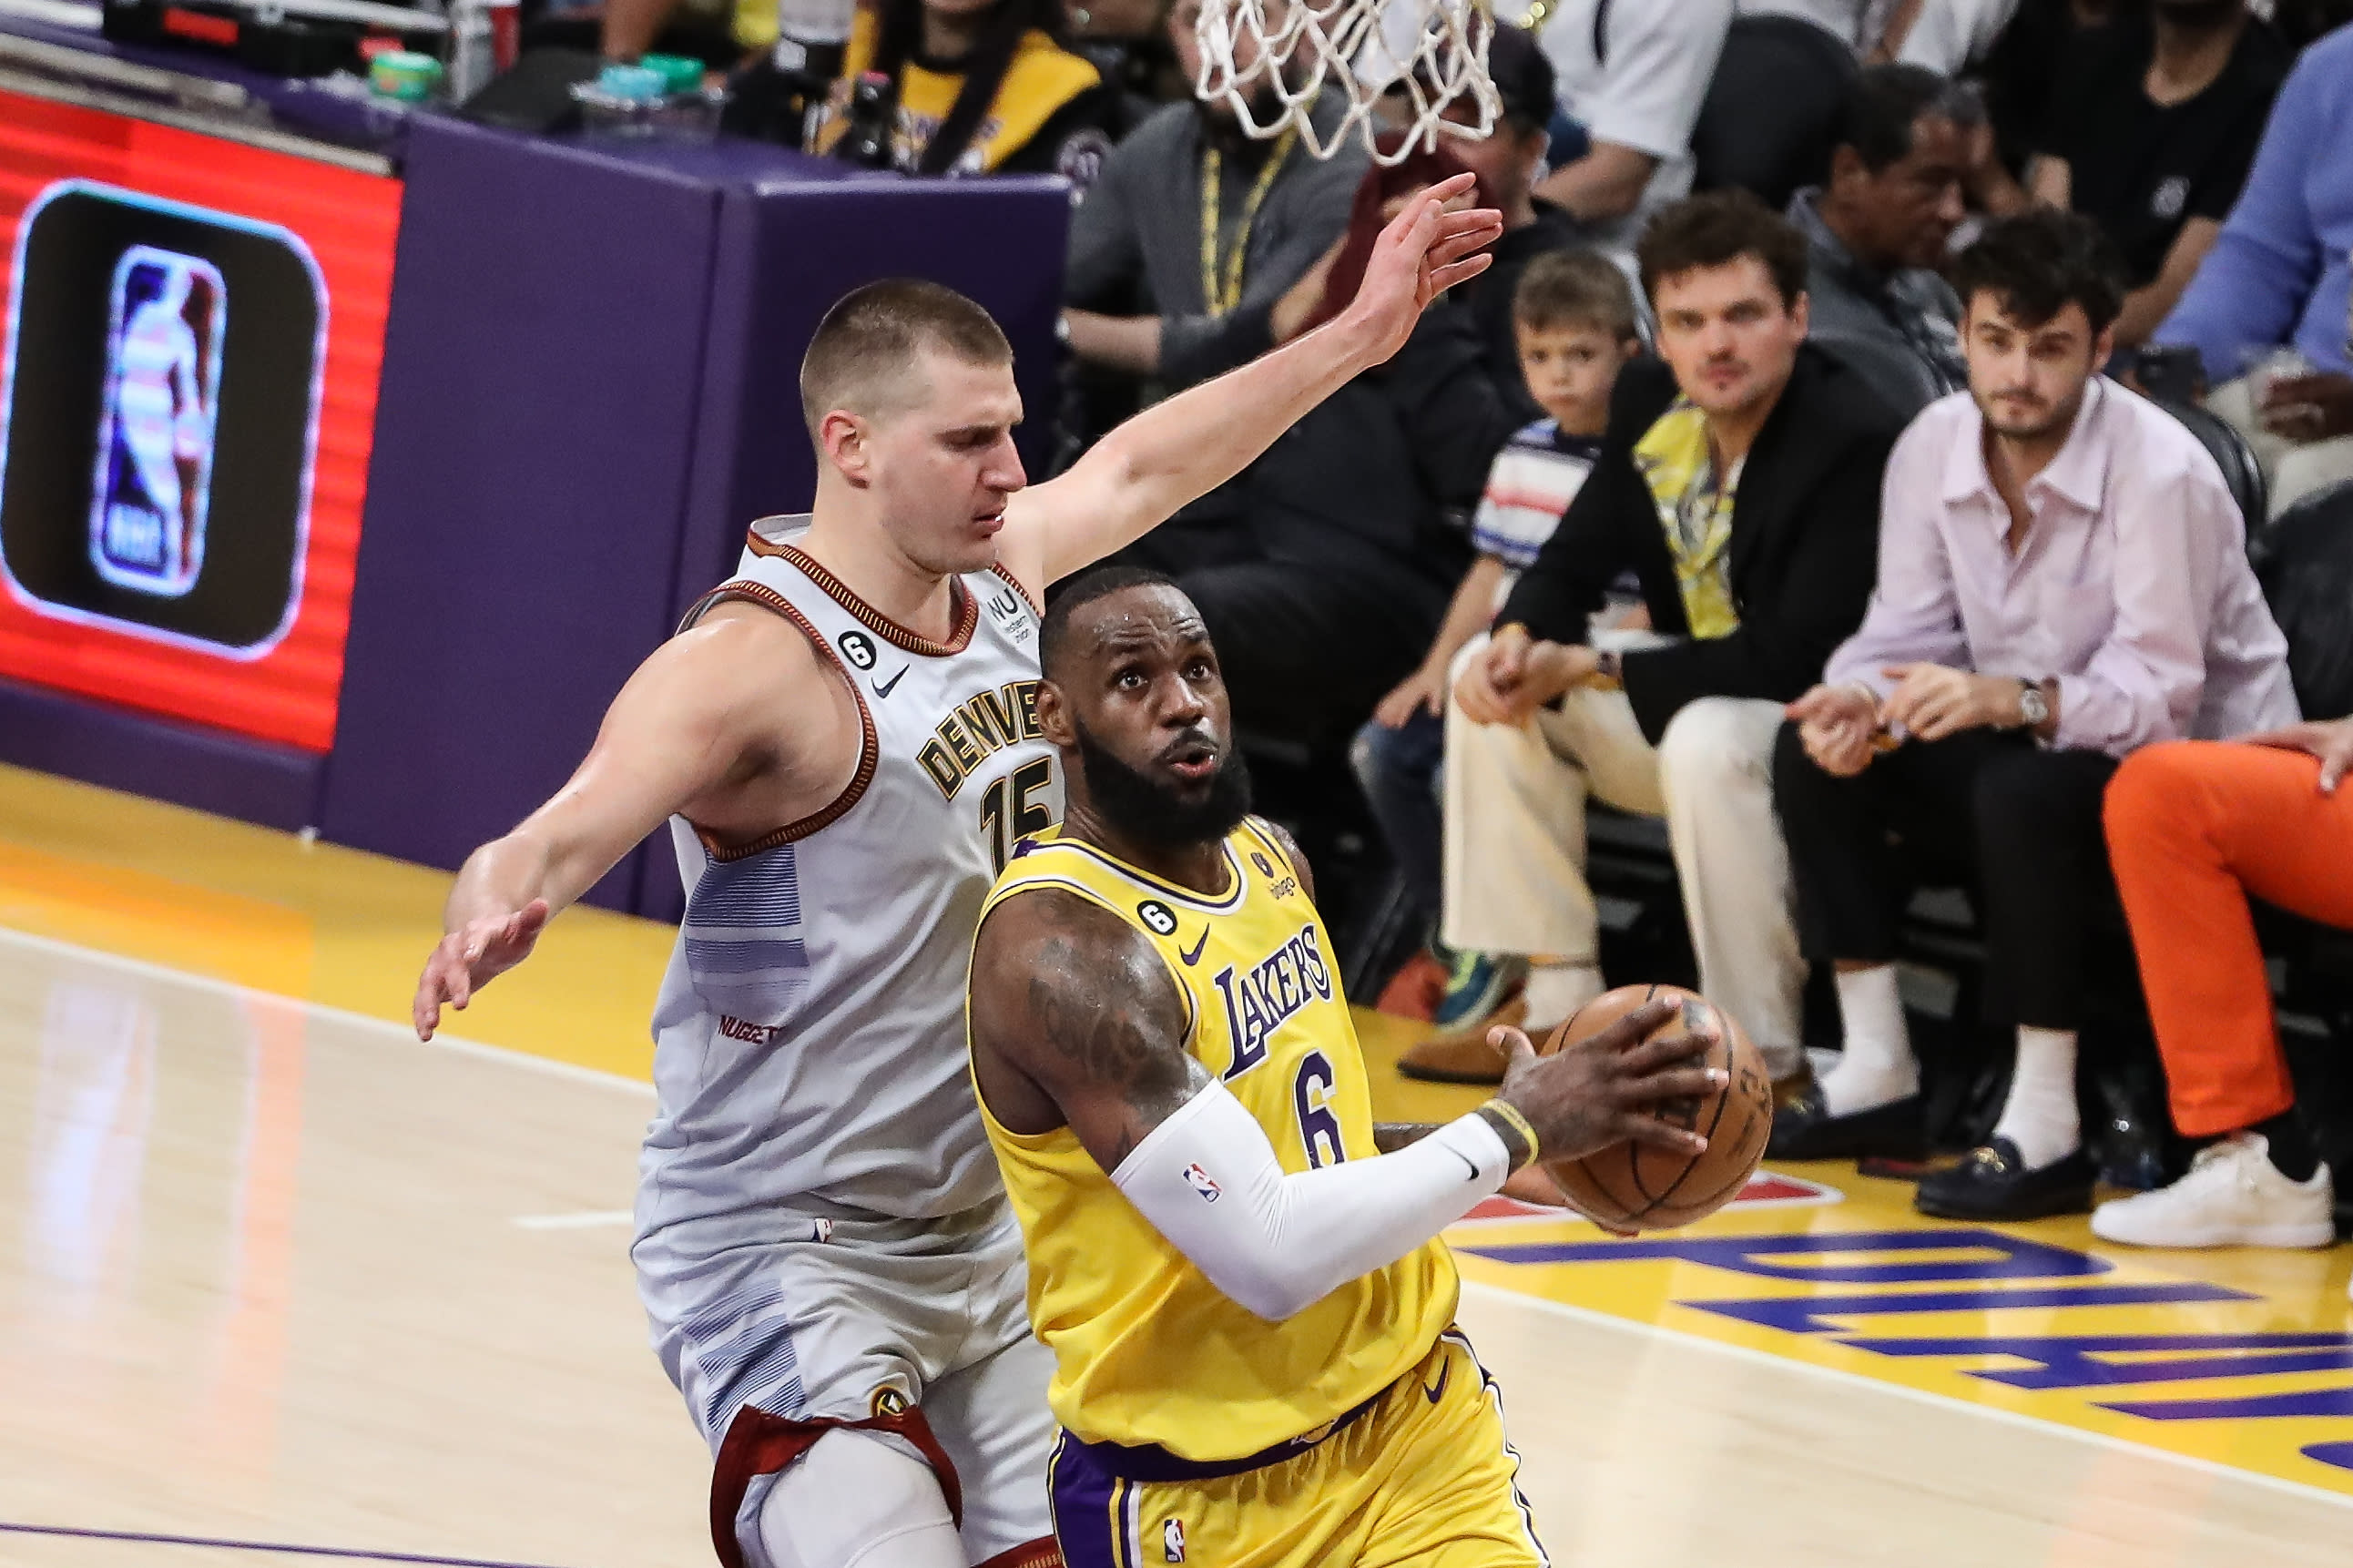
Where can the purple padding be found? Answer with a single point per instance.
(276, 786)
(527, 485)
(786, 254)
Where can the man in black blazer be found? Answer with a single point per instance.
(1739, 484)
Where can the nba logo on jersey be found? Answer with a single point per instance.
(1172, 1531)
(1201, 1182)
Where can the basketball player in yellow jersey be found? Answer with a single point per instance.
(1249, 1308)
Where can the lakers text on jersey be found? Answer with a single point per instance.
(1192, 1427)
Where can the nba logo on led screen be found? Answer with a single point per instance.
(161, 418)
(155, 421)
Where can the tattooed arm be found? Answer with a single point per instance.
(1528, 1184)
(1077, 1022)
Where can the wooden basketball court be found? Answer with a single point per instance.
(279, 1283)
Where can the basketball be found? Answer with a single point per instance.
(1633, 1186)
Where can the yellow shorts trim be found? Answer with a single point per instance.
(1427, 1478)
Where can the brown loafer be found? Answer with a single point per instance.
(1463, 1055)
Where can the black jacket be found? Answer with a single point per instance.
(1804, 550)
(1377, 482)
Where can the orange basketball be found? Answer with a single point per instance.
(1633, 1186)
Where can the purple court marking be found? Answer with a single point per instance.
(144, 1538)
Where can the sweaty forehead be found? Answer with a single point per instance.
(1145, 619)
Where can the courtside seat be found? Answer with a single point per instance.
(1771, 110)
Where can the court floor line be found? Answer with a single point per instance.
(442, 1040)
(216, 1543)
(1582, 1314)
(1946, 1401)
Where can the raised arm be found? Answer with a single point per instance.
(1076, 1022)
(1141, 473)
(697, 720)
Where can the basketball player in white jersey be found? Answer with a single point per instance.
(844, 739)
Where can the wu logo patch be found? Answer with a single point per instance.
(1172, 1540)
(1006, 610)
(859, 649)
(887, 1401)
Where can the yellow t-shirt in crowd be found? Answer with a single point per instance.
(1042, 78)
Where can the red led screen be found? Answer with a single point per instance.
(193, 335)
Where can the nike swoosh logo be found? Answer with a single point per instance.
(884, 688)
(1194, 957)
(1466, 1161)
(1444, 1369)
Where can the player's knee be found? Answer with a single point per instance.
(853, 1500)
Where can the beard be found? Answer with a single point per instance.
(1143, 808)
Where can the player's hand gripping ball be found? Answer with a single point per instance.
(1630, 1186)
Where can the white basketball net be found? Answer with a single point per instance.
(1433, 51)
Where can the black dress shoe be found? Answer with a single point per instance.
(1993, 1183)
(1804, 1129)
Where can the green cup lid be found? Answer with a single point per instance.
(679, 73)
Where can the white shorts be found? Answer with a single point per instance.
(915, 1331)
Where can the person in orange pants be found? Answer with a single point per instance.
(2195, 829)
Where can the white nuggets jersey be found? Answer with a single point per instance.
(809, 1050)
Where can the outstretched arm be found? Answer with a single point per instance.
(1141, 473)
(1076, 1021)
(684, 727)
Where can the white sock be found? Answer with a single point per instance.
(1877, 1067)
(1556, 990)
(2040, 1116)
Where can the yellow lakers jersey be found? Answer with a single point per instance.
(1148, 1350)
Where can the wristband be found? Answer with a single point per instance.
(1510, 1116)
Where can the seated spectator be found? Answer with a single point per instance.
(1630, 80)
(983, 87)
(2020, 54)
(1739, 481)
(1507, 162)
(2153, 137)
(1324, 568)
(1206, 226)
(2194, 832)
(1875, 233)
(2277, 278)
(2062, 579)
(1575, 319)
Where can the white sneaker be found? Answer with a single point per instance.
(2233, 1196)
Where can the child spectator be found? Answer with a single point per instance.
(1573, 317)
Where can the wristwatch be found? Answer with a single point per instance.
(2032, 706)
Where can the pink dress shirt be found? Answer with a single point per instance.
(2132, 586)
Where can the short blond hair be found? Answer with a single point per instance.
(866, 350)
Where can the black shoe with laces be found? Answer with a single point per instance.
(1993, 1182)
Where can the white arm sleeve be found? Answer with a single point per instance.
(1208, 1180)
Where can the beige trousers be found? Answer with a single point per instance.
(2292, 469)
(1516, 847)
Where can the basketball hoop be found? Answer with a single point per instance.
(1269, 61)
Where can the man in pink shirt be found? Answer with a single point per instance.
(2062, 579)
